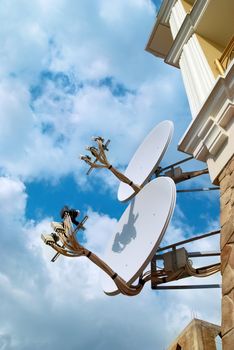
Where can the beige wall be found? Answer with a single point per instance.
(187, 5)
(198, 335)
(227, 253)
(211, 51)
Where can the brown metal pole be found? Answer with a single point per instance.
(226, 181)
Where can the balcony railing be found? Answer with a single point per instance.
(227, 56)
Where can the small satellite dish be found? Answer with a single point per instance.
(139, 232)
(147, 158)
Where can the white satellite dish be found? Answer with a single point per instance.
(147, 158)
(139, 232)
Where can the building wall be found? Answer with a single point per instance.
(211, 51)
(202, 33)
(198, 335)
(226, 180)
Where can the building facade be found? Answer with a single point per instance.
(197, 36)
(198, 335)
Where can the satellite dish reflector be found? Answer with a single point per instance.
(139, 232)
(147, 158)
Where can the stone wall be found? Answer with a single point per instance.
(198, 335)
(226, 181)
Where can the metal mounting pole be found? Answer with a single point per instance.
(160, 170)
(192, 286)
(208, 234)
(193, 255)
(202, 254)
(198, 189)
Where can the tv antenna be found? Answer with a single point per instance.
(135, 242)
(64, 241)
(144, 163)
(100, 161)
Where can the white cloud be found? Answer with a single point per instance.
(44, 142)
(12, 198)
(118, 12)
(72, 121)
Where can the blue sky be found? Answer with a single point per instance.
(70, 70)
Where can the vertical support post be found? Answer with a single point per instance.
(226, 180)
(153, 269)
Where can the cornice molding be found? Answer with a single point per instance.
(210, 134)
(162, 19)
(165, 11)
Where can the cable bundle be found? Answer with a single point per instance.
(100, 157)
(72, 248)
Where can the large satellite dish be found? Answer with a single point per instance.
(147, 158)
(139, 232)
